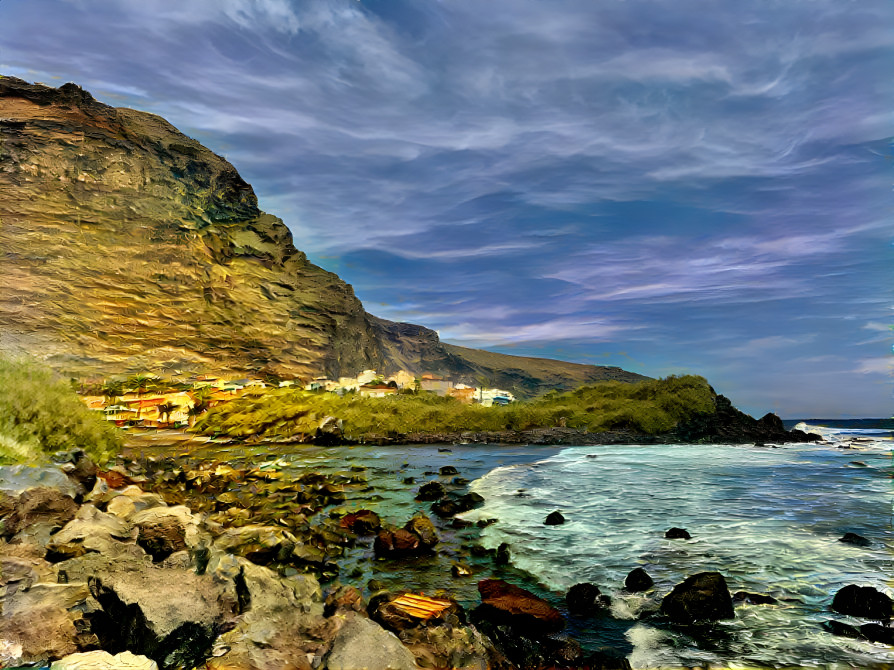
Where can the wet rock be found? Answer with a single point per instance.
(638, 580)
(521, 609)
(448, 470)
(163, 531)
(585, 599)
(103, 660)
(678, 534)
(363, 522)
(503, 554)
(362, 643)
(455, 504)
(853, 538)
(877, 633)
(422, 526)
(484, 523)
(171, 616)
(409, 480)
(842, 629)
(754, 598)
(431, 491)
(459, 481)
(459, 524)
(701, 597)
(343, 599)
(862, 601)
(397, 543)
(448, 646)
(554, 519)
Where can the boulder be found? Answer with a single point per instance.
(362, 643)
(259, 544)
(875, 632)
(103, 660)
(43, 622)
(677, 534)
(449, 646)
(91, 530)
(38, 513)
(422, 527)
(282, 624)
(503, 554)
(862, 601)
(431, 491)
(585, 599)
(79, 468)
(853, 538)
(554, 519)
(456, 504)
(701, 597)
(638, 580)
(162, 531)
(16, 479)
(171, 616)
(363, 522)
(397, 543)
(448, 470)
(521, 609)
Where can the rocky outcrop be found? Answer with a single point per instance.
(128, 246)
(507, 603)
(362, 643)
(702, 597)
(863, 601)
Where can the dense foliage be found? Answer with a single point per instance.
(41, 414)
(652, 407)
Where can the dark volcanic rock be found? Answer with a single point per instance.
(363, 522)
(503, 555)
(678, 534)
(702, 597)
(853, 538)
(448, 470)
(554, 519)
(421, 526)
(431, 491)
(456, 504)
(585, 599)
(397, 543)
(521, 609)
(638, 580)
(754, 598)
(877, 633)
(862, 601)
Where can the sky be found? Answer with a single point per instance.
(670, 186)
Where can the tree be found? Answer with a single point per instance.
(194, 411)
(112, 389)
(140, 383)
(165, 410)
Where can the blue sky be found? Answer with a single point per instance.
(669, 186)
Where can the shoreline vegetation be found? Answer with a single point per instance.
(681, 409)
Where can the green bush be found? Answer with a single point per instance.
(652, 407)
(41, 414)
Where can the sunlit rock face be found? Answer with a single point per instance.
(127, 246)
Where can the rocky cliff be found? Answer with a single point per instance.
(127, 246)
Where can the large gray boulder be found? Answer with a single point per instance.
(362, 644)
(36, 514)
(162, 531)
(171, 616)
(91, 530)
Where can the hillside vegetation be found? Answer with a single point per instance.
(650, 407)
(40, 414)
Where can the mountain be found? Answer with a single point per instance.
(128, 246)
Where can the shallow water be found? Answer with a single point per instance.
(768, 518)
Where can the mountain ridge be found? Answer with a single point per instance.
(129, 246)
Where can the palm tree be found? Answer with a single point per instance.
(165, 410)
(196, 410)
(140, 383)
(112, 390)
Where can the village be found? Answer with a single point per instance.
(149, 401)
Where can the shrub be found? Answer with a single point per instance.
(40, 414)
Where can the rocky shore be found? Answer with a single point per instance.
(181, 563)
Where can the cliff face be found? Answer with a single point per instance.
(128, 246)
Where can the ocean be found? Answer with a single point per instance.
(768, 518)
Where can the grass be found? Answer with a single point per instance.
(41, 414)
(651, 407)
